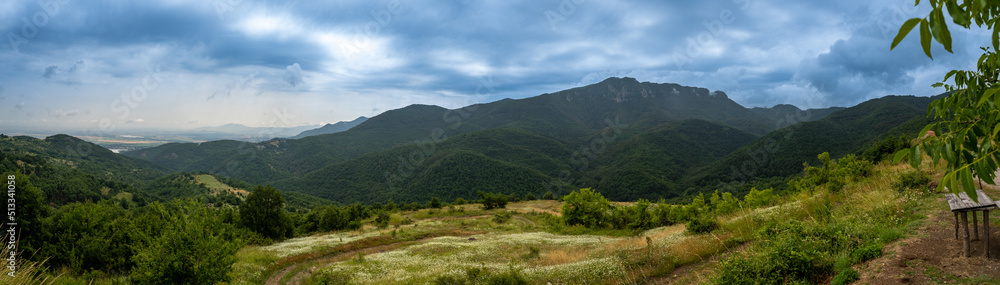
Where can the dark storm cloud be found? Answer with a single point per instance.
(758, 52)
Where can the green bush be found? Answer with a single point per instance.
(885, 148)
(493, 201)
(382, 220)
(866, 253)
(845, 277)
(501, 217)
(702, 225)
(585, 208)
(549, 196)
(910, 180)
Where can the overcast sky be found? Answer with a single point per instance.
(73, 64)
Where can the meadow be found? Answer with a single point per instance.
(819, 234)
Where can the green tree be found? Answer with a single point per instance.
(493, 201)
(725, 204)
(435, 203)
(757, 198)
(262, 212)
(548, 196)
(970, 113)
(193, 247)
(586, 207)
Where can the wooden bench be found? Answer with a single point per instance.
(962, 204)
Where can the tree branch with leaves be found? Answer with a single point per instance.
(968, 118)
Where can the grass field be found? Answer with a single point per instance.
(467, 245)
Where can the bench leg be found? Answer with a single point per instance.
(975, 226)
(956, 225)
(965, 228)
(986, 228)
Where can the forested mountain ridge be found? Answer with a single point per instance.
(331, 128)
(571, 116)
(848, 131)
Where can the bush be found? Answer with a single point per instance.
(501, 217)
(866, 253)
(549, 196)
(435, 203)
(459, 201)
(849, 167)
(884, 148)
(758, 198)
(585, 208)
(910, 180)
(382, 220)
(845, 277)
(493, 201)
(702, 225)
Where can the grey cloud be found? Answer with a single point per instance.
(50, 71)
(293, 75)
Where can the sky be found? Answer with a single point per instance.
(107, 66)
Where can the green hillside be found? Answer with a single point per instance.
(782, 152)
(519, 162)
(571, 116)
(653, 164)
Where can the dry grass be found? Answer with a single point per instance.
(562, 256)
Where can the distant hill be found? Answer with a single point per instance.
(68, 169)
(785, 115)
(571, 117)
(331, 128)
(782, 152)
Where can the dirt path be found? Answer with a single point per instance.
(933, 256)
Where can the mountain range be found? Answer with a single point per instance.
(625, 138)
(331, 128)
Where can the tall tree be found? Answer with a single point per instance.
(969, 117)
(263, 212)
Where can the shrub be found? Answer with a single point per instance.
(758, 198)
(847, 276)
(435, 203)
(866, 253)
(914, 179)
(585, 208)
(530, 197)
(702, 225)
(549, 196)
(501, 217)
(382, 220)
(849, 167)
(725, 204)
(884, 148)
(459, 201)
(493, 201)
